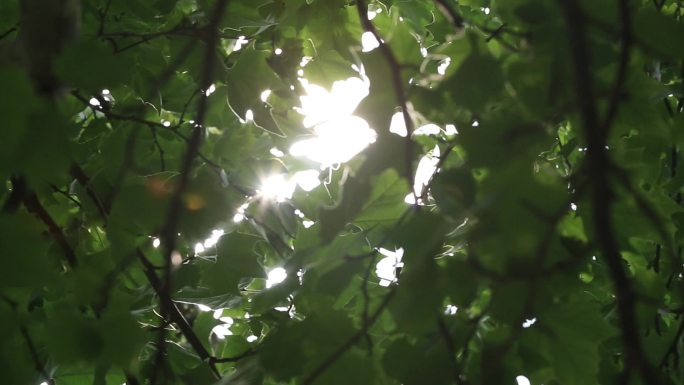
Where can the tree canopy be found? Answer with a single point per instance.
(341, 192)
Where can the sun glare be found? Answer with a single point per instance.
(276, 276)
(277, 187)
(386, 268)
(426, 168)
(338, 135)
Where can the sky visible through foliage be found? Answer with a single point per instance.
(334, 192)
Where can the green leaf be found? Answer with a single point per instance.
(92, 66)
(478, 80)
(250, 76)
(656, 29)
(576, 331)
(236, 259)
(386, 201)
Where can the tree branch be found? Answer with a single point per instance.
(174, 313)
(598, 166)
(169, 231)
(30, 200)
(450, 13)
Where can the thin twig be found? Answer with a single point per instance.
(366, 300)
(623, 63)
(37, 363)
(351, 341)
(77, 172)
(162, 163)
(247, 353)
(397, 83)
(673, 349)
(451, 348)
(8, 32)
(65, 194)
(103, 17)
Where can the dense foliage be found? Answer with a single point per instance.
(165, 221)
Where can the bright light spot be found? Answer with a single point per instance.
(239, 43)
(593, 258)
(308, 223)
(369, 42)
(305, 60)
(336, 141)
(166, 123)
(475, 123)
(221, 331)
(371, 15)
(94, 102)
(450, 310)
(264, 95)
(573, 207)
(176, 258)
(252, 338)
(277, 187)
(240, 215)
(249, 115)
(450, 130)
(307, 180)
(276, 276)
(339, 135)
(44, 383)
(385, 269)
(443, 65)
(423, 51)
(529, 322)
(156, 242)
(398, 125)
(218, 313)
(203, 307)
(105, 92)
(485, 10)
(199, 248)
(426, 168)
(522, 380)
(213, 238)
(210, 90)
(428, 129)
(276, 152)
(319, 105)
(278, 51)
(299, 213)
